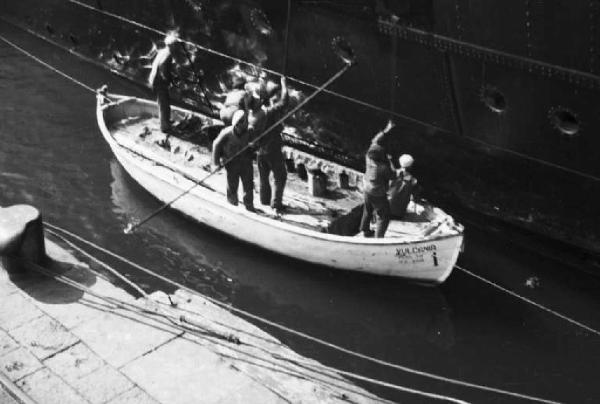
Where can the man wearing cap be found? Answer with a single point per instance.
(403, 188)
(269, 155)
(231, 141)
(378, 175)
(160, 78)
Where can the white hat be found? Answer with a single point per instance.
(237, 116)
(406, 161)
(170, 39)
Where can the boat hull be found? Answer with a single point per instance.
(430, 260)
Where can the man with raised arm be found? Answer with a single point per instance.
(262, 115)
(231, 141)
(376, 180)
(160, 79)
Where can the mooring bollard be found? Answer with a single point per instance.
(21, 237)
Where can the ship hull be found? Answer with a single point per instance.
(498, 120)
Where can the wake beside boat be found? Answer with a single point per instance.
(322, 230)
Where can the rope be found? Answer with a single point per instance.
(101, 263)
(299, 333)
(54, 69)
(244, 62)
(526, 300)
(131, 227)
(174, 320)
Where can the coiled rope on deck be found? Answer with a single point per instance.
(529, 301)
(296, 332)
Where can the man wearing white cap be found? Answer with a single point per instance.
(231, 141)
(160, 78)
(403, 188)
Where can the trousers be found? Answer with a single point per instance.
(381, 207)
(240, 169)
(267, 163)
(164, 107)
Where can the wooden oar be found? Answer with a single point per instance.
(348, 63)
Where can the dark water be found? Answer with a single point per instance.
(53, 157)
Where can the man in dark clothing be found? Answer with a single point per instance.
(160, 78)
(231, 141)
(403, 188)
(269, 155)
(378, 175)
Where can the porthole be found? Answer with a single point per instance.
(493, 99)
(73, 39)
(49, 29)
(565, 121)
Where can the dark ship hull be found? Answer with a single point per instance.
(498, 107)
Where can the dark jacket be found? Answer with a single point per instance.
(378, 174)
(263, 119)
(401, 191)
(227, 144)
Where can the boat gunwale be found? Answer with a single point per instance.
(289, 227)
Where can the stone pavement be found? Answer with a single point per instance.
(62, 345)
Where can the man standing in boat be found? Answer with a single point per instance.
(232, 140)
(160, 79)
(269, 155)
(376, 180)
(404, 188)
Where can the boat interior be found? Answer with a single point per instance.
(319, 195)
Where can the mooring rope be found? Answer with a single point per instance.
(54, 69)
(175, 321)
(299, 333)
(529, 301)
(101, 263)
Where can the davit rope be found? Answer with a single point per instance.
(347, 98)
(287, 329)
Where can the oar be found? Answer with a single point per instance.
(348, 59)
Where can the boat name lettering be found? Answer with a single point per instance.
(405, 251)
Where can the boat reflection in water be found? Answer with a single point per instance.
(353, 308)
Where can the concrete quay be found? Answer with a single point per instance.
(60, 344)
